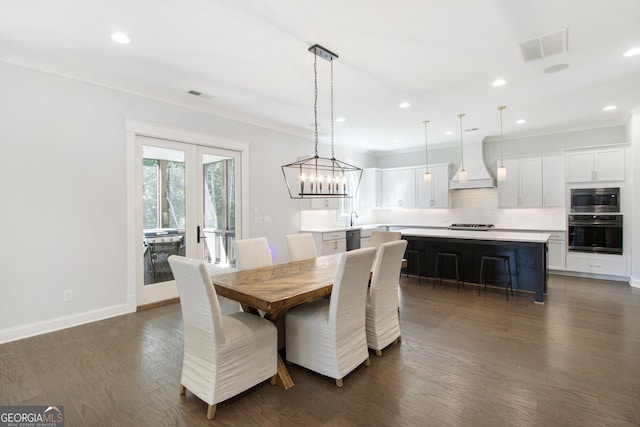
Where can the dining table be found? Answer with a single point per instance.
(277, 288)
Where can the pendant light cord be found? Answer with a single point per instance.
(501, 143)
(426, 144)
(461, 143)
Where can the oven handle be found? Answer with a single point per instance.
(597, 223)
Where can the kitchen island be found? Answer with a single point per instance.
(527, 252)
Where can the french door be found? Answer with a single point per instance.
(189, 204)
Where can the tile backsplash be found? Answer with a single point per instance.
(474, 206)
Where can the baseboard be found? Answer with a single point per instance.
(38, 328)
(592, 276)
(158, 304)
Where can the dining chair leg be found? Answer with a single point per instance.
(273, 380)
(378, 353)
(367, 362)
(400, 339)
(339, 382)
(211, 412)
(183, 390)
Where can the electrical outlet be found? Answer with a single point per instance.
(68, 295)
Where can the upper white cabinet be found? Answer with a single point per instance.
(553, 181)
(605, 164)
(328, 203)
(435, 194)
(532, 182)
(370, 192)
(399, 188)
(523, 187)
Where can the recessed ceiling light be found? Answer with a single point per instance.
(610, 107)
(521, 122)
(555, 68)
(120, 38)
(362, 144)
(632, 52)
(448, 132)
(404, 105)
(340, 119)
(499, 82)
(395, 141)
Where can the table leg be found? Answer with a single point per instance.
(283, 378)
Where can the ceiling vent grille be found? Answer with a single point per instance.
(200, 94)
(553, 43)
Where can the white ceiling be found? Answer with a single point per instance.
(441, 56)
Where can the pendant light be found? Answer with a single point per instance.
(502, 170)
(462, 174)
(321, 177)
(427, 174)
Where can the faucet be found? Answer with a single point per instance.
(353, 212)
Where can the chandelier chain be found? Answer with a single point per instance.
(315, 100)
(332, 154)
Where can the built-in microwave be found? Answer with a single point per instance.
(595, 200)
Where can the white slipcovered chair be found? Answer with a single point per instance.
(301, 246)
(380, 237)
(383, 323)
(328, 336)
(224, 355)
(252, 253)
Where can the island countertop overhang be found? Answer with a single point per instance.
(498, 236)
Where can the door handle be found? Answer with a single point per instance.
(199, 235)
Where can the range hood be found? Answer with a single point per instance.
(477, 174)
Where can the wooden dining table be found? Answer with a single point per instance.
(277, 288)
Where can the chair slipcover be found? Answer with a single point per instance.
(252, 253)
(301, 246)
(224, 355)
(380, 237)
(328, 336)
(383, 324)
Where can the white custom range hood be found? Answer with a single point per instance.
(477, 174)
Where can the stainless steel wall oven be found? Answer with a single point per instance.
(595, 233)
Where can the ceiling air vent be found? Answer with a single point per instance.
(545, 45)
(200, 94)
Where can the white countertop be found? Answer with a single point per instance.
(347, 228)
(502, 236)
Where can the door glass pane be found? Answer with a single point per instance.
(164, 210)
(219, 209)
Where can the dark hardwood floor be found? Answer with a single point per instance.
(464, 360)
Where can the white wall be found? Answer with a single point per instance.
(64, 193)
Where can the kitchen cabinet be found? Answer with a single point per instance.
(614, 265)
(328, 203)
(370, 192)
(399, 188)
(523, 187)
(332, 242)
(601, 165)
(436, 194)
(553, 193)
(556, 250)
